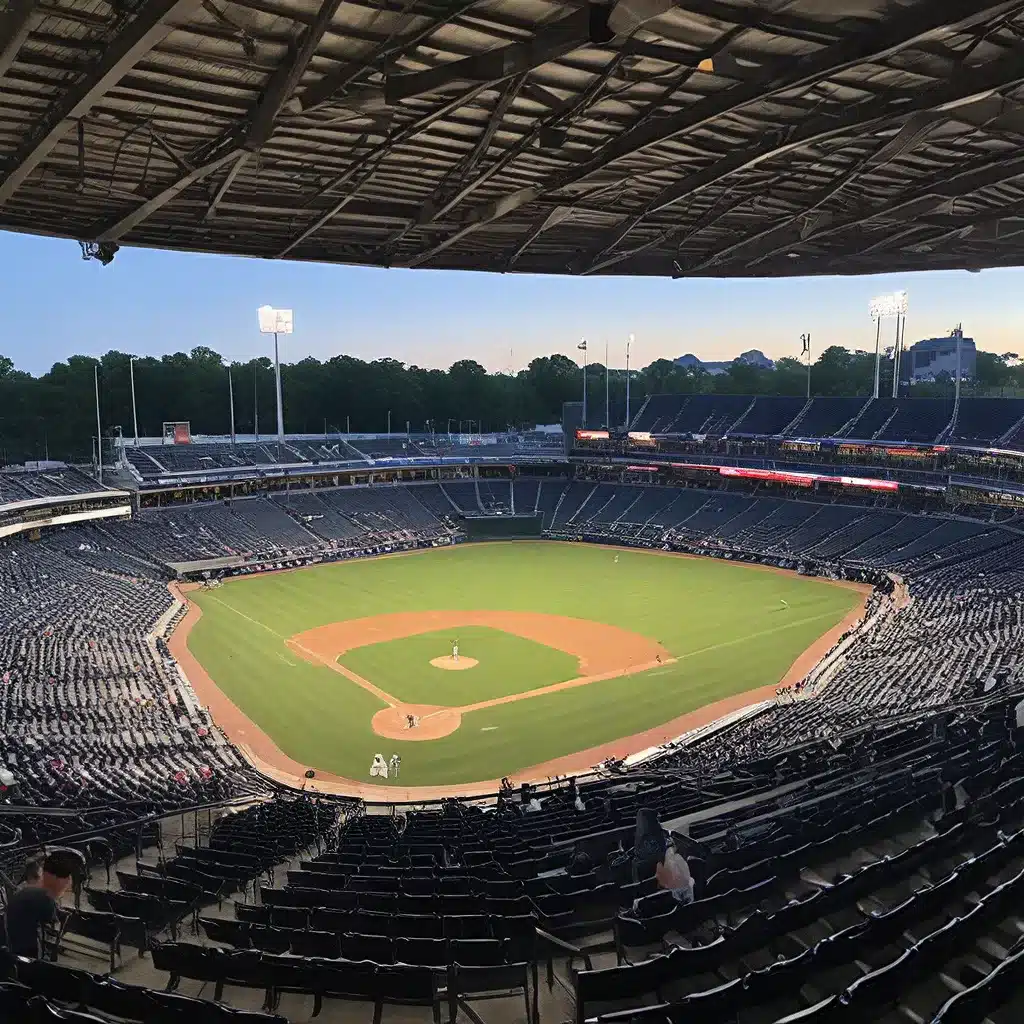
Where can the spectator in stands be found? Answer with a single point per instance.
(653, 854)
(581, 863)
(34, 905)
(648, 844)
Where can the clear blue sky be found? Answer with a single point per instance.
(150, 303)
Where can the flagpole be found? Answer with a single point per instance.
(806, 339)
(583, 345)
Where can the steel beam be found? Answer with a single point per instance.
(553, 121)
(283, 82)
(372, 160)
(327, 89)
(247, 137)
(15, 24)
(443, 198)
(553, 218)
(976, 82)
(909, 29)
(914, 129)
(136, 39)
(889, 37)
(548, 43)
(113, 232)
(222, 191)
(941, 187)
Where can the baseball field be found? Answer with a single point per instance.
(562, 648)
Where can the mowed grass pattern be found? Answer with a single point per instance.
(507, 664)
(724, 622)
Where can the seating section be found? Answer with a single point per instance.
(24, 485)
(162, 460)
(856, 849)
(826, 416)
(768, 415)
(983, 421)
(873, 867)
(93, 710)
(919, 420)
(991, 422)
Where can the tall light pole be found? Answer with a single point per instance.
(629, 341)
(231, 405)
(897, 359)
(275, 322)
(582, 346)
(99, 430)
(135, 417)
(256, 398)
(883, 307)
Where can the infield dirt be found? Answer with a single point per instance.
(600, 659)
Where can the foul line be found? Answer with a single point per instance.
(568, 684)
(313, 656)
(257, 622)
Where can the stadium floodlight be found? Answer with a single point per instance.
(276, 321)
(883, 307)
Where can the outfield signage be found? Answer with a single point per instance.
(793, 479)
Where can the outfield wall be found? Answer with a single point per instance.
(501, 527)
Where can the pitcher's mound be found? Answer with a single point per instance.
(452, 665)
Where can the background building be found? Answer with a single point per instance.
(931, 357)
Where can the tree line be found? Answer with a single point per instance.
(53, 415)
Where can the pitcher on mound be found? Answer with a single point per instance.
(455, 651)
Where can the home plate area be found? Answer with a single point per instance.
(522, 655)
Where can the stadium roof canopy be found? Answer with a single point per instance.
(702, 137)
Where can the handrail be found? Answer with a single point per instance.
(566, 947)
(139, 822)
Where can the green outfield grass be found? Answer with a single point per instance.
(723, 621)
(507, 664)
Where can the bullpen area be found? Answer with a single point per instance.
(483, 660)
